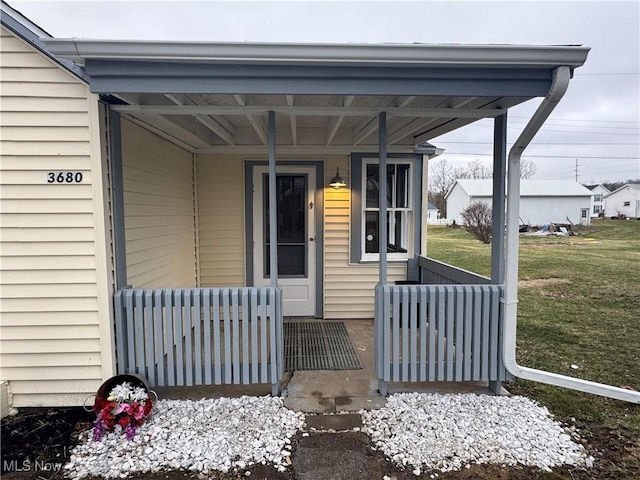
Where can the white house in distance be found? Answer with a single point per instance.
(432, 213)
(597, 200)
(541, 201)
(623, 201)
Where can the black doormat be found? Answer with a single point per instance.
(318, 345)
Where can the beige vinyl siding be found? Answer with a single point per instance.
(54, 341)
(349, 288)
(159, 210)
(221, 220)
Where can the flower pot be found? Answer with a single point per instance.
(107, 386)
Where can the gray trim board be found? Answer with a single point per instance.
(319, 221)
(109, 76)
(117, 193)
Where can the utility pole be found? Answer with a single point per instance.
(576, 169)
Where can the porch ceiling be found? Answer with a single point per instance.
(214, 97)
(217, 122)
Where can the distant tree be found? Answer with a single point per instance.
(528, 169)
(611, 186)
(441, 179)
(476, 219)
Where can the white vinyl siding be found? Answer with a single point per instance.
(159, 210)
(54, 299)
(221, 220)
(349, 288)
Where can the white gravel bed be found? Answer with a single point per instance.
(203, 436)
(448, 432)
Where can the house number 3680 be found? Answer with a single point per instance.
(64, 177)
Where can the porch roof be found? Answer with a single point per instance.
(214, 97)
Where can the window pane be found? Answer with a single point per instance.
(396, 232)
(291, 193)
(291, 261)
(373, 190)
(371, 233)
(402, 185)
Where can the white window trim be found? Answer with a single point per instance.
(375, 257)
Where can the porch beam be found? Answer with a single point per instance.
(205, 120)
(499, 201)
(273, 219)
(246, 111)
(420, 123)
(382, 196)
(292, 120)
(172, 126)
(360, 135)
(337, 111)
(335, 123)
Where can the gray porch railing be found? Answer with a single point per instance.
(200, 336)
(433, 272)
(446, 330)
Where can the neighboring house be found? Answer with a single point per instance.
(136, 228)
(623, 201)
(432, 213)
(541, 201)
(597, 201)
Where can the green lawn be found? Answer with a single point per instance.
(579, 304)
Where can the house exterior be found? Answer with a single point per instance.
(597, 202)
(541, 201)
(432, 213)
(625, 201)
(137, 180)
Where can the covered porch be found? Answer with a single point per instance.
(241, 127)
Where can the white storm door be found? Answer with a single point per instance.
(296, 236)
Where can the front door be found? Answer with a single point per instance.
(295, 236)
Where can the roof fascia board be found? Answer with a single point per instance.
(35, 36)
(108, 76)
(329, 54)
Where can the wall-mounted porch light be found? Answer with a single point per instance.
(338, 182)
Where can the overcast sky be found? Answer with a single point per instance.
(597, 123)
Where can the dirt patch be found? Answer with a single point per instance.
(541, 282)
(37, 442)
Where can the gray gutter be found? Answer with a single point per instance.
(35, 36)
(527, 56)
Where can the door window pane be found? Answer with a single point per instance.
(291, 225)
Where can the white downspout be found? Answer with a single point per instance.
(558, 88)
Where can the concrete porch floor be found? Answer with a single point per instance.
(330, 391)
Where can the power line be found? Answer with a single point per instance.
(548, 143)
(604, 73)
(600, 157)
(578, 120)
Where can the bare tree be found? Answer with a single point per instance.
(476, 219)
(476, 168)
(441, 179)
(527, 169)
